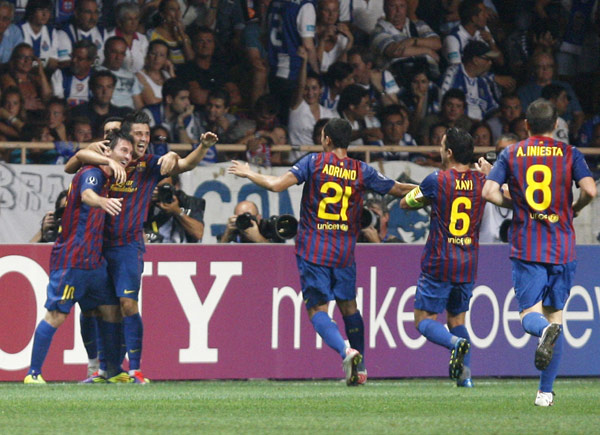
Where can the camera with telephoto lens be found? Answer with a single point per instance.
(51, 233)
(369, 218)
(491, 156)
(276, 228)
(165, 193)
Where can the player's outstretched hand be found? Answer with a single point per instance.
(101, 147)
(483, 166)
(112, 206)
(168, 162)
(208, 139)
(241, 169)
(118, 171)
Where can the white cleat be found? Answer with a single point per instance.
(351, 362)
(544, 399)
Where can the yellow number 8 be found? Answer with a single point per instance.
(543, 186)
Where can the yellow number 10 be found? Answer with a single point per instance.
(543, 186)
(456, 216)
(339, 194)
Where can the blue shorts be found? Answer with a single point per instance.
(549, 283)
(88, 287)
(321, 284)
(436, 296)
(125, 267)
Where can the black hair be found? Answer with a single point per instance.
(366, 55)
(318, 128)
(433, 127)
(392, 109)
(112, 119)
(172, 87)
(351, 96)
(552, 91)
(114, 136)
(96, 74)
(135, 117)
(461, 143)
(339, 131)
(467, 10)
(156, 42)
(62, 195)
(91, 48)
(32, 5)
(541, 116)
(221, 94)
(268, 104)
(337, 71)
(454, 93)
(112, 39)
(16, 48)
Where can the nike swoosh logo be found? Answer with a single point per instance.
(127, 292)
(134, 350)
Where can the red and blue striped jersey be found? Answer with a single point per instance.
(452, 246)
(79, 242)
(331, 206)
(142, 177)
(540, 173)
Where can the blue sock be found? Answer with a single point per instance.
(436, 333)
(41, 343)
(89, 335)
(110, 337)
(133, 329)
(534, 323)
(355, 331)
(123, 346)
(549, 374)
(461, 331)
(329, 332)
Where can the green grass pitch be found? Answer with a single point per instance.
(381, 406)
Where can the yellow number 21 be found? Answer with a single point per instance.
(339, 194)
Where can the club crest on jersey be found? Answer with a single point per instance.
(141, 167)
(92, 180)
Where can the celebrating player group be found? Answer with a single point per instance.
(533, 177)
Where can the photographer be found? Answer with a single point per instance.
(251, 234)
(174, 217)
(51, 221)
(375, 224)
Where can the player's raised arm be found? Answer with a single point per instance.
(77, 160)
(112, 206)
(269, 182)
(401, 189)
(89, 156)
(192, 160)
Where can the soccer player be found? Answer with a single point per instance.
(334, 185)
(123, 239)
(78, 271)
(540, 172)
(449, 260)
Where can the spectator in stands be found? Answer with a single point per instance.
(159, 141)
(216, 116)
(128, 22)
(543, 74)
(333, 39)
(204, 72)
(176, 113)
(452, 114)
(30, 80)
(172, 30)
(57, 117)
(519, 127)
(395, 132)
(35, 131)
(157, 69)
(557, 95)
(422, 98)
(363, 14)
(12, 114)
(337, 77)
(251, 234)
(10, 34)
(285, 60)
(377, 231)
(381, 84)
(128, 90)
(474, 79)
(398, 38)
(263, 117)
(316, 136)
(111, 124)
(482, 134)
(305, 110)
(39, 34)
(100, 107)
(593, 161)
(83, 27)
(355, 107)
(510, 109)
(254, 42)
(80, 130)
(72, 83)
(473, 27)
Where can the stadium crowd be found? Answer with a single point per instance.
(264, 73)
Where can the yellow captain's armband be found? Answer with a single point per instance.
(414, 198)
